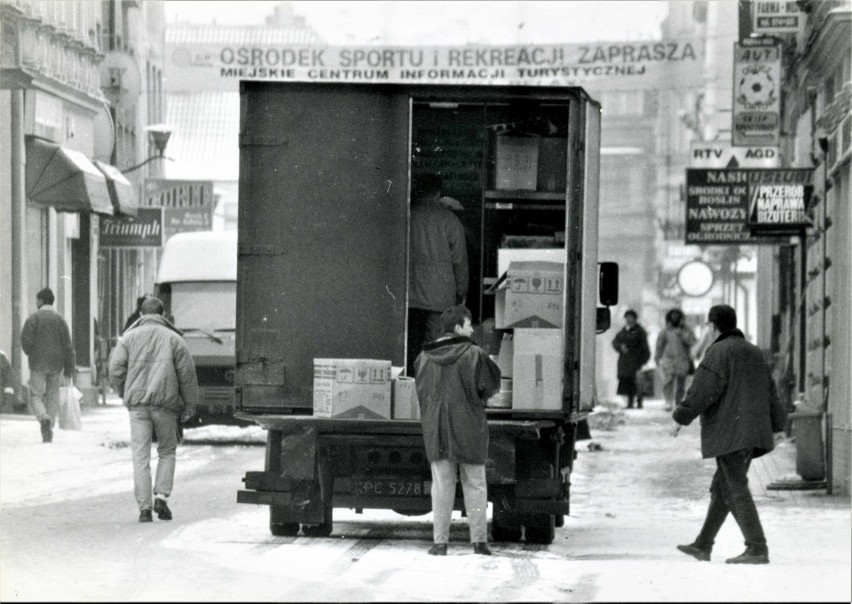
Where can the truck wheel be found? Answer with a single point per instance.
(559, 520)
(504, 527)
(286, 529)
(540, 529)
(317, 530)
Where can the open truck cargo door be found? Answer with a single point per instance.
(313, 159)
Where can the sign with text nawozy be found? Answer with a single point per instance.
(719, 202)
(756, 110)
(145, 230)
(187, 204)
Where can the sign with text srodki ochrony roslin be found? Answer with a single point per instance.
(746, 206)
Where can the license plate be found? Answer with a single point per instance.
(389, 488)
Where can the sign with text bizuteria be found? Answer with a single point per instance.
(717, 205)
(756, 111)
(776, 17)
(779, 200)
(145, 230)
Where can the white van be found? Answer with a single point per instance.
(197, 283)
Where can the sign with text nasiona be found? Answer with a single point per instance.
(145, 230)
(221, 66)
(724, 206)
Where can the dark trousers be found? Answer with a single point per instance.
(729, 492)
(424, 326)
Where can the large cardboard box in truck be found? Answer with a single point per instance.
(324, 202)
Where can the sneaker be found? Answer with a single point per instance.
(46, 430)
(145, 516)
(162, 509)
(482, 549)
(696, 551)
(439, 549)
(751, 555)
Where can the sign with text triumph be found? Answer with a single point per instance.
(757, 95)
(145, 230)
(726, 206)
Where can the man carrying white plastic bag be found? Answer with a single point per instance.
(70, 417)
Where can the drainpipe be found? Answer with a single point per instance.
(19, 221)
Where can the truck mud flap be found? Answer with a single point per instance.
(540, 506)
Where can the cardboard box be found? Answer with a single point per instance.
(516, 160)
(405, 404)
(537, 379)
(552, 164)
(530, 296)
(504, 359)
(352, 388)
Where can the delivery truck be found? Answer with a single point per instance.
(197, 283)
(322, 274)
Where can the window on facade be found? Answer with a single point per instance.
(37, 263)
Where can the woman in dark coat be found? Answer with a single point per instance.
(633, 352)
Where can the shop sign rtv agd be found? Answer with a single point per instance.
(757, 95)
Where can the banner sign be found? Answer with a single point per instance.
(145, 230)
(778, 17)
(779, 200)
(622, 63)
(757, 96)
(187, 204)
(715, 154)
(718, 203)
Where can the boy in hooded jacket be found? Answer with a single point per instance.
(455, 378)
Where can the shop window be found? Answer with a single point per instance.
(37, 254)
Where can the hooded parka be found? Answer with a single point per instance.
(455, 378)
(151, 365)
(734, 393)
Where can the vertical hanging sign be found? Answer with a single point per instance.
(757, 95)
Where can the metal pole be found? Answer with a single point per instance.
(19, 223)
(803, 322)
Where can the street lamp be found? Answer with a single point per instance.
(158, 135)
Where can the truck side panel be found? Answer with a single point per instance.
(313, 161)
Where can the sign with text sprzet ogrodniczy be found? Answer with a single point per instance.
(745, 206)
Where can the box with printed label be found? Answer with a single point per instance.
(352, 388)
(530, 295)
(537, 370)
(405, 404)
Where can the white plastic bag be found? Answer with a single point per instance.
(70, 417)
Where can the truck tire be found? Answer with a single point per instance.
(286, 529)
(505, 527)
(540, 528)
(559, 520)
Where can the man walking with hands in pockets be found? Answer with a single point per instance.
(152, 370)
(735, 396)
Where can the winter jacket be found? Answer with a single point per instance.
(734, 393)
(151, 366)
(638, 352)
(438, 277)
(673, 348)
(47, 342)
(454, 380)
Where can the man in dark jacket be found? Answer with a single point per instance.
(454, 380)
(735, 396)
(152, 369)
(438, 271)
(46, 341)
(633, 352)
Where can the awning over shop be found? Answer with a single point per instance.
(121, 191)
(64, 179)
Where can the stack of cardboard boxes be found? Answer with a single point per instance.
(362, 389)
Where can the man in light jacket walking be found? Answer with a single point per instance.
(46, 341)
(152, 370)
(455, 378)
(735, 396)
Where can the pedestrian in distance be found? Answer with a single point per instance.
(734, 394)
(46, 341)
(455, 378)
(134, 316)
(152, 370)
(438, 269)
(673, 357)
(633, 352)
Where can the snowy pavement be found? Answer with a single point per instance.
(68, 529)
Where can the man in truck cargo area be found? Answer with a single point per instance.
(438, 269)
(734, 393)
(152, 370)
(455, 378)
